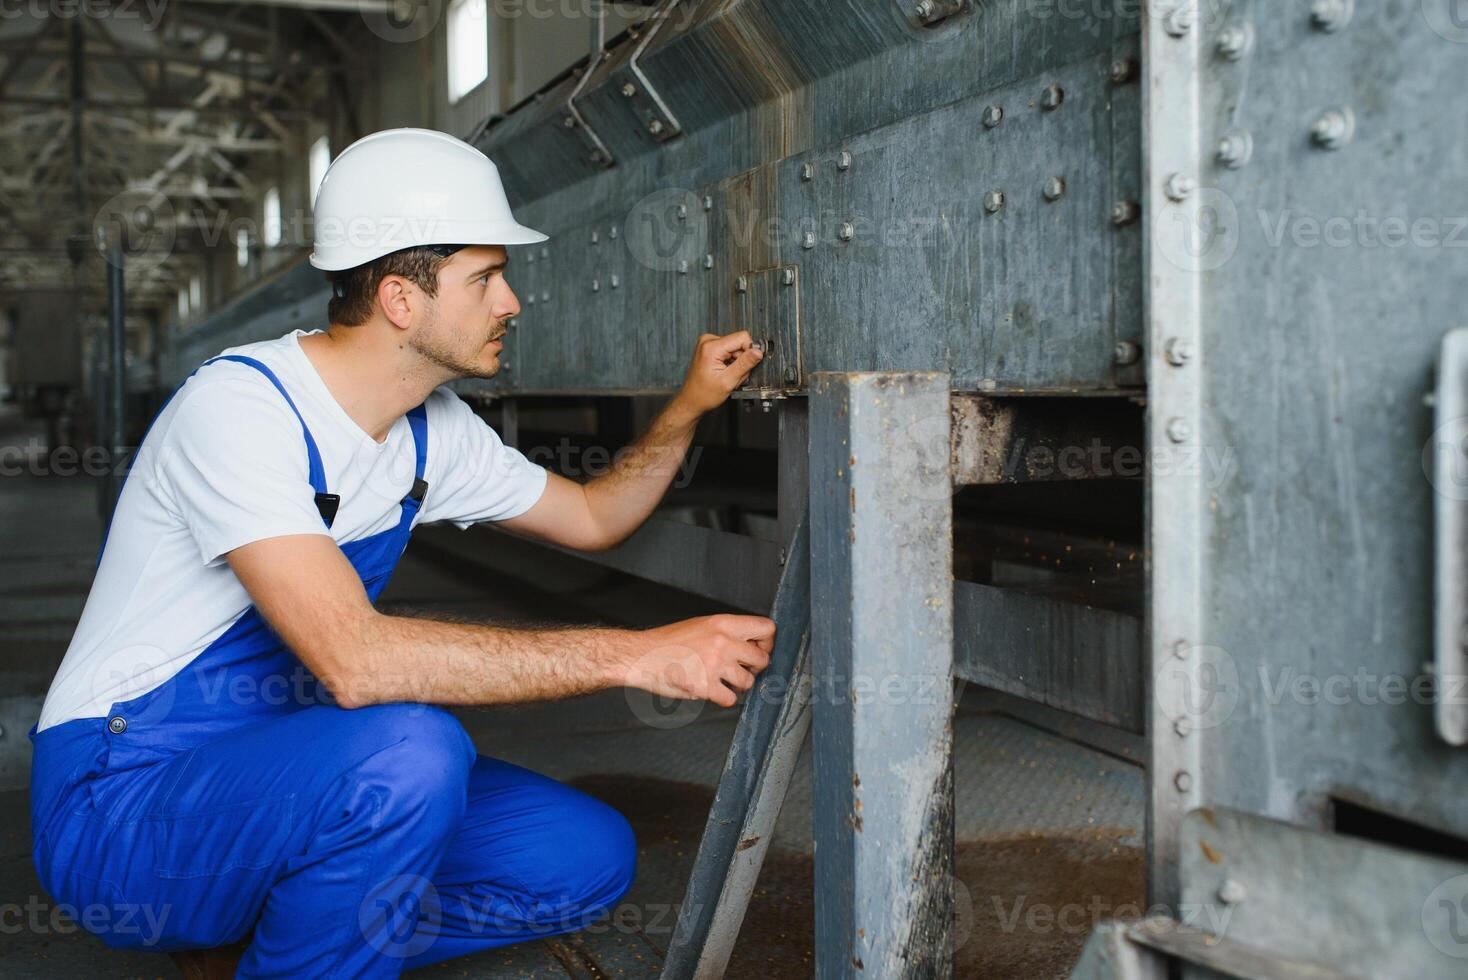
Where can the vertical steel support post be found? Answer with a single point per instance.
(1171, 160)
(882, 659)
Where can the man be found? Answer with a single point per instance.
(237, 745)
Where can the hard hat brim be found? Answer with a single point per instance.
(502, 234)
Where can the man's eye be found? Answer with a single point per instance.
(484, 279)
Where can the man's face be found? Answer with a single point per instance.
(464, 326)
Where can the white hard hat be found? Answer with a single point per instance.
(405, 187)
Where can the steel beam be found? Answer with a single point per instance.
(881, 659)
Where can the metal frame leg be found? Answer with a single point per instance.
(882, 659)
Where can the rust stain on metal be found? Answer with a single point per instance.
(1210, 852)
(746, 843)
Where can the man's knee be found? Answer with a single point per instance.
(598, 866)
(417, 759)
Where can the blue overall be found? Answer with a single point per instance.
(236, 801)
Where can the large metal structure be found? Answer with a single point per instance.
(943, 217)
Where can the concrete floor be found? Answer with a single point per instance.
(1045, 825)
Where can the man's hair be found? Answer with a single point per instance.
(354, 291)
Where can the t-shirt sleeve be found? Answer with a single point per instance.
(474, 476)
(232, 465)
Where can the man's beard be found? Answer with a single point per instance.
(433, 347)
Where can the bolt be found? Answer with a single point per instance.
(596, 238)
(925, 11)
(629, 90)
(530, 301)
(790, 375)
(1178, 429)
(807, 172)
(1123, 70)
(781, 557)
(1179, 20)
(682, 212)
(514, 322)
(545, 297)
(1182, 727)
(1232, 892)
(808, 240)
(504, 365)
(1329, 16)
(596, 285)
(843, 161)
(788, 277)
(993, 201)
(765, 405)
(1334, 128)
(569, 122)
(846, 232)
(742, 284)
(655, 127)
(1052, 97)
(1235, 149)
(1126, 352)
(1235, 42)
(1180, 649)
(545, 251)
(683, 267)
(708, 261)
(616, 281)
(1054, 188)
(612, 233)
(1183, 781)
(530, 258)
(1124, 213)
(598, 157)
(993, 115)
(1179, 186)
(1178, 351)
(708, 203)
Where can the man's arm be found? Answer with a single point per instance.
(603, 512)
(309, 593)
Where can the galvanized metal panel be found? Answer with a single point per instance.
(1350, 906)
(1325, 280)
(1084, 660)
(881, 662)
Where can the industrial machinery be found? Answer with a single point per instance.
(1101, 339)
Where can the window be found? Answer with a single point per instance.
(468, 46)
(270, 225)
(320, 160)
(242, 248)
(183, 303)
(196, 293)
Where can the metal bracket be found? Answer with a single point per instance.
(767, 304)
(657, 118)
(1449, 471)
(600, 154)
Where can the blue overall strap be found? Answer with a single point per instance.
(418, 422)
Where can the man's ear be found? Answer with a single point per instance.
(396, 297)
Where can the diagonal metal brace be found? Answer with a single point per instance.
(757, 774)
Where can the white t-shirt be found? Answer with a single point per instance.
(225, 464)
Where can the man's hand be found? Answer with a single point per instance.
(720, 364)
(711, 658)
